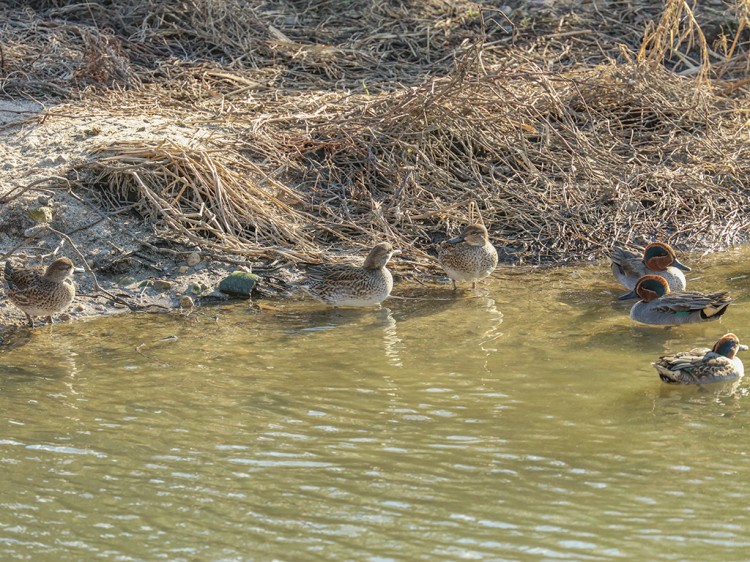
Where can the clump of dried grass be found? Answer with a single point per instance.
(357, 44)
(203, 197)
(55, 58)
(559, 166)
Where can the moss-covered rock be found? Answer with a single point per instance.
(239, 284)
(40, 214)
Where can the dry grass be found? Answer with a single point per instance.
(199, 196)
(567, 128)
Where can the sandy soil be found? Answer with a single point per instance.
(39, 150)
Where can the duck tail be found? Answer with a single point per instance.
(665, 374)
(712, 312)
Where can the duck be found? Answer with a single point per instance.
(659, 306)
(470, 256)
(656, 258)
(348, 285)
(40, 292)
(703, 365)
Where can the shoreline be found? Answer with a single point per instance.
(285, 141)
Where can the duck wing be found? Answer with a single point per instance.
(707, 304)
(337, 273)
(21, 278)
(629, 261)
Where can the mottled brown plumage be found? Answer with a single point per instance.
(347, 285)
(40, 292)
(702, 365)
(468, 257)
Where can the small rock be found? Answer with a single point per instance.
(64, 317)
(80, 308)
(197, 288)
(193, 259)
(186, 302)
(239, 283)
(161, 285)
(40, 214)
(182, 270)
(48, 162)
(125, 280)
(44, 200)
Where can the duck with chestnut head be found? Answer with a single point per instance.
(657, 258)
(703, 365)
(660, 306)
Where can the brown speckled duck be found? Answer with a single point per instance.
(469, 256)
(703, 365)
(40, 292)
(347, 285)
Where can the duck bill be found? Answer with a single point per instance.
(742, 347)
(396, 252)
(681, 266)
(456, 240)
(79, 270)
(626, 296)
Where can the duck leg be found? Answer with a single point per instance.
(31, 320)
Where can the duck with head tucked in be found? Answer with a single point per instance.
(348, 285)
(469, 256)
(657, 258)
(659, 306)
(40, 292)
(702, 365)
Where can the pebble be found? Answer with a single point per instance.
(186, 302)
(40, 214)
(193, 259)
(49, 161)
(161, 285)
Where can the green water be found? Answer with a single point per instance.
(522, 421)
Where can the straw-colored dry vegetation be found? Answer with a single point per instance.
(567, 126)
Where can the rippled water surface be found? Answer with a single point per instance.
(522, 421)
